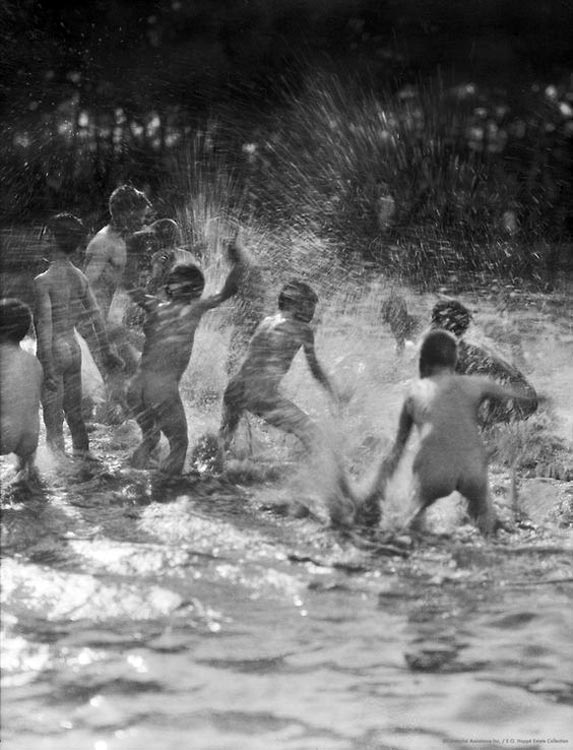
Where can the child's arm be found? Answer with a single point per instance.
(111, 360)
(316, 369)
(146, 301)
(491, 389)
(370, 503)
(158, 262)
(43, 326)
(234, 278)
(98, 256)
(391, 460)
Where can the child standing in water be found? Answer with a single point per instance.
(169, 329)
(20, 387)
(64, 298)
(451, 456)
(255, 387)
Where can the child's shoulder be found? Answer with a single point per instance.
(105, 237)
(31, 361)
(24, 359)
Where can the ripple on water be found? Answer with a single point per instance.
(36, 591)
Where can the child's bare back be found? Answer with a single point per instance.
(444, 409)
(61, 292)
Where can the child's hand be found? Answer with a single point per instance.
(235, 252)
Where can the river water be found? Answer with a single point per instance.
(216, 613)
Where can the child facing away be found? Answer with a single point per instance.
(63, 298)
(21, 378)
(169, 329)
(451, 455)
(255, 387)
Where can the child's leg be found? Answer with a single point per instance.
(172, 421)
(287, 416)
(232, 411)
(433, 480)
(53, 413)
(26, 467)
(476, 491)
(146, 420)
(72, 402)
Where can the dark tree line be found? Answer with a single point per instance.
(95, 93)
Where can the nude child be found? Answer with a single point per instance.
(21, 378)
(169, 329)
(276, 341)
(451, 455)
(63, 299)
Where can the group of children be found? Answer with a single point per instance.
(442, 404)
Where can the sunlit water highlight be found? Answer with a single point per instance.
(208, 615)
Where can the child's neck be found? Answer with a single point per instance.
(61, 258)
(120, 228)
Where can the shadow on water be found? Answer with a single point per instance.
(221, 611)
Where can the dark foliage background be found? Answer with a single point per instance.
(456, 117)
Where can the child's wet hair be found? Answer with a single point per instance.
(188, 274)
(439, 349)
(452, 316)
(69, 232)
(126, 198)
(295, 291)
(15, 320)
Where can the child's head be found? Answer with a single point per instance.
(452, 316)
(68, 231)
(128, 207)
(166, 232)
(298, 298)
(184, 281)
(439, 350)
(15, 320)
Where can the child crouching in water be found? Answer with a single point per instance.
(451, 455)
(21, 378)
(169, 330)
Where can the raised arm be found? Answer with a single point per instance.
(44, 333)
(238, 260)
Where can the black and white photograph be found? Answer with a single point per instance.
(286, 374)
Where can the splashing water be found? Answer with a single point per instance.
(222, 611)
